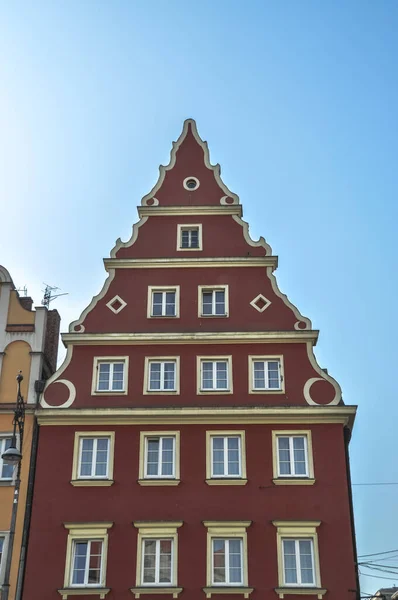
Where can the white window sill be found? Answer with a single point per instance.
(294, 481)
(6, 482)
(226, 481)
(300, 591)
(84, 591)
(227, 589)
(92, 482)
(159, 481)
(172, 591)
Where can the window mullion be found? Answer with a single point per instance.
(162, 376)
(214, 382)
(160, 456)
(266, 374)
(227, 561)
(157, 562)
(110, 382)
(298, 561)
(163, 304)
(94, 458)
(291, 456)
(87, 562)
(225, 450)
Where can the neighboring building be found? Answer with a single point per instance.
(28, 343)
(390, 593)
(190, 443)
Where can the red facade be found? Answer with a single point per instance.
(190, 429)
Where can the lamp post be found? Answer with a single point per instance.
(13, 456)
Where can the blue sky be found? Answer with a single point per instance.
(298, 101)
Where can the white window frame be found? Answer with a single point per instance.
(298, 561)
(5, 535)
(3, 437)
(163, 289)
(292, 473)
(87, 565)
(94, 459)
(189, 226)
(225, 439)
(214, 360)
(159, 475)
(147, 371)
(293, 479)
(96, 369)
(212, 479)
(213, 288)
(226, 541)
(266, 390)
(77, 479)
(145, 479)
(157, 583)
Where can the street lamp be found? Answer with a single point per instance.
(13, 456)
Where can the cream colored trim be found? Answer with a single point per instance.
(267, 303)
(226, 529)
(172, 591)
(143, 479)
(286, 300)
(215, 168)
(54, 377)
(94, 379)
(157, 530)
(92, 482)
(134, 235)
(300, 591)
(148, 360)
(158, 482)
(190, 263)
(120, 300)
(260, 242)
(229, 589)
(84, 591)
(79, 531)
(212, 358)
(163, 288)
(183, 226)
(210, 478)
(213, 288)
(198, 337)
(300, 415)
(264, 357)
(176, 211)
(93, 303)
(323, 375)
(297, 530)
(79, 435)
(293, 480)
(185, 183)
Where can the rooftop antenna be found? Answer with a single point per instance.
(49, 296)
(24, 290)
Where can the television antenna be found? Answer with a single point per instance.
(49, 296)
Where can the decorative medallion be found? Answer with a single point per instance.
(260, 303)
(116, 304)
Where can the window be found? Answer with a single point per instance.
(293, 460)
(157, 557)
(213, 301)
(6, 471)
(215, 374)
(266, 374)
(162, 375)
(227, 557)
(163, 301)
(225, 458)
(87, 563)
(159, 458)
(110, 375)
(298, 557)
(189, 237)
(3, 553)
(86, 556)
(93, 458)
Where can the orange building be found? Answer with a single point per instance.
(28, 343)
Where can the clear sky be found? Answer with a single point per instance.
(298, 101)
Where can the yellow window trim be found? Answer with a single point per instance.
(146, 391)
(226, 529)
(297, 530)
(229, 589)
(100, 592)
(227, 480)
(157, 529)
(278, 357)
(181, 227)
(223, 287)
(163, 288)
(174, 591)
(81, 531)
(199, 360)
(284, 591)
(283, 480)
(99, 359)
(79, 481)
(142, 480)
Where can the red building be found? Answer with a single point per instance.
(190, 444)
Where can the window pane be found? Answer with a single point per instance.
(169, 376)
(152, 466)
(79, 562)
(207, 303)
(170, 304)
(207, 375)
(307, 575)
(233, 456)
(103, 376)
(221, 371)
(220, 302)
(157, 304)
(284, 456)
(218, 456)
(289, 555)
(219, 561)
(273, 374)
(6, 469)
(259, 375)
(154, 376)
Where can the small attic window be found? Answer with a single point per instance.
(191, 183)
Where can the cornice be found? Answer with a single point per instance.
(168, 211)
(208, 337)
(238, 415)
(172, 263)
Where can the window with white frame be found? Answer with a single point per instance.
(292, 456)
(110, 376)
(94, 457)
(87, 563)
(190, 237)
(163, 303)
(214, 375)
(226, 456)
(213, 302)
(159, 456)
(162, 375)
(266, 374)
(298, 562)
(227, 561)
(157, 564)
(6, 470)
(2, 555)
